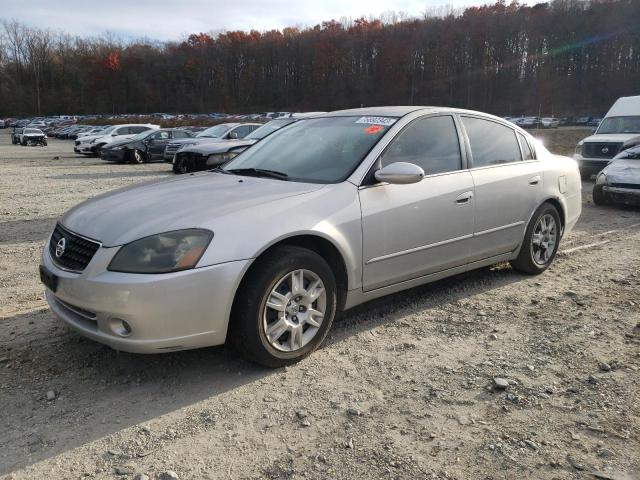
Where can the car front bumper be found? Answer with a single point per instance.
(111, 155)
(627, 196)
(165, 312)
(85, 148)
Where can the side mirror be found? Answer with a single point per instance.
(400, 173)
(233, 135)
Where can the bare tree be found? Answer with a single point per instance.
(38, 48)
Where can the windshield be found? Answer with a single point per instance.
(32, 130)
(268, 128)
(317, 150)
(214, 132)
(620, 125)
(141, 135)
(108, 129)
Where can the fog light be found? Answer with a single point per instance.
(120, 327)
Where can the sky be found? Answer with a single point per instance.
(174, 19)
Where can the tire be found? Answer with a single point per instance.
(270, 277)
(44, 143)
(599, 197)
(137, 156)
(180, 166)
(23, 143)
(534, 258)
(97, 150)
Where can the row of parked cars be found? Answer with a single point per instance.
(553, 122)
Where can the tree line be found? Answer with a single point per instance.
(565, 57)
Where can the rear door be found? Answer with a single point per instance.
(508, 185)
(413, 230)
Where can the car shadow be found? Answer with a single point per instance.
(100, 391)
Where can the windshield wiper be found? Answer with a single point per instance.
(259, 172)
(221, 170)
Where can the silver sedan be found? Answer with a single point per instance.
(323, 215)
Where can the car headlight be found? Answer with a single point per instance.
(601, 179)
(162, 253)
(578, 149)
(219, 158)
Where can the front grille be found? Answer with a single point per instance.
(600, 150)
(635, 186)
(172, 148)
(78, 251)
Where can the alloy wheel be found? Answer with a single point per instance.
(294, 310)
(544, 239)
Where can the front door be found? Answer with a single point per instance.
(421, 228)
(156, 147)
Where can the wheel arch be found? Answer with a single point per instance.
(316, 243)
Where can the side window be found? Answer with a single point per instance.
(527, 152)
(162, 135)
(243, 130)
(138, 129)
(122, 131)
(491, 142)
(431, 143)
(179, 134)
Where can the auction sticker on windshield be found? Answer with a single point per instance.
(386, 121)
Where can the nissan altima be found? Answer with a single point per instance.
(321, 216)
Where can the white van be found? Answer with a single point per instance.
(621, 123)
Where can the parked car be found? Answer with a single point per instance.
(594, 122)
(264, 251)
(92, 144)
(621, 123)
(15, 134)
(549, 122)
(209, 155)
(223, 131)
(619, 181)
(143, 147)
(32, 136)
(529, 122)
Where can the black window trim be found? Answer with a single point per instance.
(369, 180)
(504, 124)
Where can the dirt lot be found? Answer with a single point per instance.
(401, 390)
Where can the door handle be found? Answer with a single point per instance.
(464, 198)
(534, 180)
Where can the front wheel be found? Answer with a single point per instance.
(284, 307)
(541, 241)
(599, 197)
(137, 156)
(180, 166)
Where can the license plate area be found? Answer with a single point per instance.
(49, 279)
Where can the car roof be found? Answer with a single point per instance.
(401, 111)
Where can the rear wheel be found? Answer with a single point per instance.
(541, 241)
(284, 308)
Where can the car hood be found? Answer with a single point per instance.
(623, 171)
(88, 138)
(119, 143)
(218, 147)
(196, 140)
(610, 138)
(121, 216)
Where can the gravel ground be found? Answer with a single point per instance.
(487, 375)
